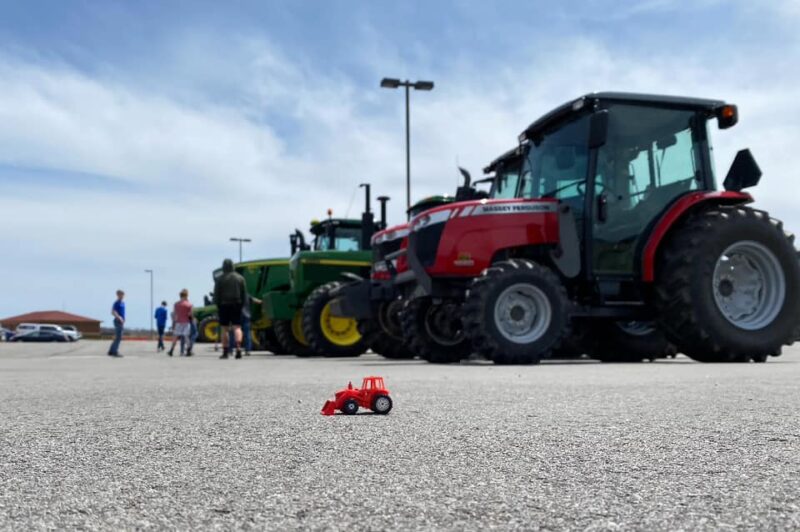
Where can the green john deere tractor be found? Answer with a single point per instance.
(301, 316)
(261, 276)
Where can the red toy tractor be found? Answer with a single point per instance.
(372, 395)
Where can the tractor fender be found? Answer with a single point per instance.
(674, 214)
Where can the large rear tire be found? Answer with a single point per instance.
(327, 334)
(270, 342)
(517, 312)
(385, 333)
(208, 330)
(632, 341)
(728, 286)
(290, 336)
(435, 331)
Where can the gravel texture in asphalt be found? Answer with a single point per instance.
(149, 441)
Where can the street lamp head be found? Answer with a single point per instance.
(390, 83)
(423, 85)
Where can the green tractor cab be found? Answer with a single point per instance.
(302, 317)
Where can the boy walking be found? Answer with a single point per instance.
(181, 326)
(161, 324)
(230, 294)
(118, 311)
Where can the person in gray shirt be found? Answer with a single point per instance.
(230, 295)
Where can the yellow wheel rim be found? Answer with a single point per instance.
(337, 330)
(297, 328)
(211, 331)
(254, 337)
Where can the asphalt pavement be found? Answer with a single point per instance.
(153, 442)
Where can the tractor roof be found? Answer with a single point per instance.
(507, 156)
(656, 100)
(318, 227)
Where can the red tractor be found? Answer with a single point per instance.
(372, 395)
(615, 233)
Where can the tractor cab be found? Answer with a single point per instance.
(337, 234)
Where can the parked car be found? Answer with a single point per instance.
(40, 336)
(72, 332)
(30, 327)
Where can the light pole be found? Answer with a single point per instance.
(151, 302)
(392, 83)
(240, 240)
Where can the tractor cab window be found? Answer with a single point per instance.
(556, 166)
(344, 239)
(506, 181)
(651, 157)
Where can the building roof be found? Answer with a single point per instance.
(48, 316)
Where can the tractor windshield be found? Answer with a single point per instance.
(344, 239)
(555, 166)
(506, 181)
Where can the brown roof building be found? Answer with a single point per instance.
(87, 326)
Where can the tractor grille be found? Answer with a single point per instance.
(384, 248)
(427, 243)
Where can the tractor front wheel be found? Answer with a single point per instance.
(327, 334)
(350, 407)
(270, 342)
(290, 336)
(728, 286)
(435, 331)
(517, 312)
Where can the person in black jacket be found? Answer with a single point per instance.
(230, 295)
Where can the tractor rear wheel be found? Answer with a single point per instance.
(435, 331)
(382, 404)
(728, 286)
(290, 336)
(517, 312)
(629, 341)
(327, 334)
(208, 329)
(385, 334)
(270, 342)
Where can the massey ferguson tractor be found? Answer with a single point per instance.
(302, 317)
(616, 228)
(376, 301)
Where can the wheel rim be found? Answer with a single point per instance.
(297, 328)
(749, 285)
(337, 330)
(442, 326)
(389, 318)
(522, 313)
(211, 331)
(382, 404)
(636, 328)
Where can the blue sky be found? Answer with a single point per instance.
(144, 134)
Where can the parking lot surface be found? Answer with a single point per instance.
(149, 441)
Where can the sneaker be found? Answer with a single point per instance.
(247, 353)
(238, 353)
(224, 354)
(189, 353)
(169, 352)
(115, 355)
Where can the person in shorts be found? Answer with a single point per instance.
(230, 295)
(182, 323)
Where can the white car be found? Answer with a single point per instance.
(71, 335)
(72, 332)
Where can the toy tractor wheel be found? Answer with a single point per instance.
(434, 330)
(630, 341)
(728, 286)
(516, 312)
(382, 404)
(330, 335)
(350, 407)
(290, 337)
(208, 329)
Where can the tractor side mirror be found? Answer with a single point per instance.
(744, 172)
(598, 129)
